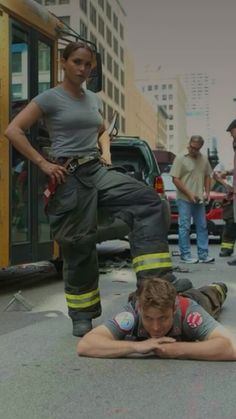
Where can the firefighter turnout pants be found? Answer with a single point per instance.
(229, 231)
(211, 297)
(72, 212)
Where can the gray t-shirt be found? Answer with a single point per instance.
(195, 324)
(73, 123)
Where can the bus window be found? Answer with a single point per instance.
(44, 83)
(20, 166)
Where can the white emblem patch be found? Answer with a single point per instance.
(125, 320)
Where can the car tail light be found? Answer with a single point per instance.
(159, 185)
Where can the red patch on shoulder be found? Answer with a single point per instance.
(194, 319)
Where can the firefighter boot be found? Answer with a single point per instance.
(81, 327)
(225, 252)
(221, 289)
(181, 284)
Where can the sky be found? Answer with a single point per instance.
(179, 36)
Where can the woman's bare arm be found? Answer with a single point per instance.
(15, 133)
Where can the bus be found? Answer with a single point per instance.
(31, 39)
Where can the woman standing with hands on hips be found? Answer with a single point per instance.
(80, 148)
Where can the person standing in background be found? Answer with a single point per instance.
(191, 175)
(229, 230)
(232, 130)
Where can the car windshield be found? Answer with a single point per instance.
(168, 184)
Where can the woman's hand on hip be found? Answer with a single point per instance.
(56, 172)
(105, 158)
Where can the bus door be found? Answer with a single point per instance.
(31, 72)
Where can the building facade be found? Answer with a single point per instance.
(141, 114)
(198, 88)
(169, 94)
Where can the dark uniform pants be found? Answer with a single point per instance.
(229, 231)
(210, 297)
(73, 218)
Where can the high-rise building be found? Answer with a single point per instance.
(198, 88)
(169, 94)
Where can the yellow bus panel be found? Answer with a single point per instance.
(32, 13)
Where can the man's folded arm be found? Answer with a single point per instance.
(217, 347)
(100, 343)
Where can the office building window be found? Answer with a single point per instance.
(116, 95)
(163, 86)
(108, 10)
(50, 2)
(121, 54)
(43, 86)
(104, 83)
(122, 77)
(109, 113)
(109, 37)
(44, 58)
(104, 110)
(116, 70)
(17, 62)
(164, 97)
(122, 100)
(109, 63)
(83, 29)
(121, 31)
(93, 38)
(115, 45)
(101, 26)
(109, 88)
(83, 5)
(101, 49)
(65, 19)
(64, 1)
(93, 15)
(170, 96)
(149, 88)
(115, 21)
(16, 91)
(122, 124)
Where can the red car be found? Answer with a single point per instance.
(214, 208)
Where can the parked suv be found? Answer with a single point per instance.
(133, 156)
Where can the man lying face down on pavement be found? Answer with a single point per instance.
(162, 323)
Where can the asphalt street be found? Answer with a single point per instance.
(41, 377)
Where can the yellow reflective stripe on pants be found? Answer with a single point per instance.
(152, 261)
(219, 289)
(83, 300)
(225, 245)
